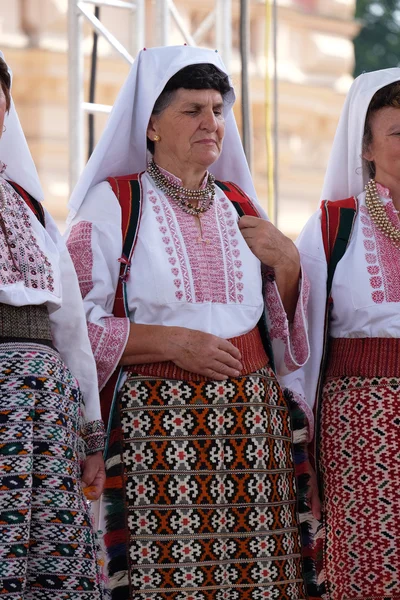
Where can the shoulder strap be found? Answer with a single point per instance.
(35, 206)
(337, 218)
(337, 221)
(128, 191)
(240, 200)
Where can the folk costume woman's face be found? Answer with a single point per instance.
(384, 148)
(189, 132)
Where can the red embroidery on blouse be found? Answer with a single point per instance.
(108, 341)
(295, 339)
(79, 245)
(21, 258)
(180, 259)
(383, 258)
(206, 259)
(212, 270)
(382, 190)
(296, 351)
(279, 326)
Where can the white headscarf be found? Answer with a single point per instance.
(121, 149)
(347, 174)
(14, 152)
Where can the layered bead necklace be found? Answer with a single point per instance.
(184, 196)
(378, 213)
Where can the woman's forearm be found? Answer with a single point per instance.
(287, 281)
(192, 350)
(147, 343)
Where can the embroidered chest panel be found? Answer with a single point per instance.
(205, 265)
(21, 258)
(382, 258)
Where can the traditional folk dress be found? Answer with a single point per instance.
(358, 416)
(360, 411)
(200, 499)
(49, 414)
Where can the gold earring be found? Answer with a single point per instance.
(157, 138)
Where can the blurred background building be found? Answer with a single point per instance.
(315, 62)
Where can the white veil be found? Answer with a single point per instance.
(14, 153)
(346, 174)
(121, 149)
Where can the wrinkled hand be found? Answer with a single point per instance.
(269, 244)
(313, 495)
(204, 354)
(93, 476)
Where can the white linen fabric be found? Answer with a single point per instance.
(122, 148)
(176, 280)
(61, 293)
(366, 282)
(15, 153)
(346, 174)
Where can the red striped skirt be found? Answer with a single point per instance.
(360, 466)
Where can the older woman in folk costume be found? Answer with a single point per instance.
(355, 368)
(200, 492)
(47, 543)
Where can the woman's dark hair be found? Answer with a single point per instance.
(386, 96)
(203, 76)
(5, 82)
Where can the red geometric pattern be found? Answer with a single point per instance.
(360, 464)
(382, 257)
(80, 248)
(209, 491)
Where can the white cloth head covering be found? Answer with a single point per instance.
(346, 174)
(15, 153)
(121, 149)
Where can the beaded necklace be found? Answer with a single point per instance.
(378, 213)
(184, 196)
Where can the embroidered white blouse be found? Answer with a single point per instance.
(35, 269)
(176, 279)
(365, 290)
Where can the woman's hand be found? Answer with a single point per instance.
(204, 353)
(277, 251)
(269, 244)
(93, 476)
(189, 349)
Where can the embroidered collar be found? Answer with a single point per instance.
(383, 191)
(174, 179)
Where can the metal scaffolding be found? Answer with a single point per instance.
(166, 12)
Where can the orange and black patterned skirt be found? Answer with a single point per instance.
(200, 493)
(360, 465)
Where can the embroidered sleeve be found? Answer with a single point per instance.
(304, 381)
(69, 331)
(93, 434)
(289, 342)
(108, 339)
(94, 250)
(306, 410)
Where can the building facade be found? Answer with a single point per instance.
(314, 63)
